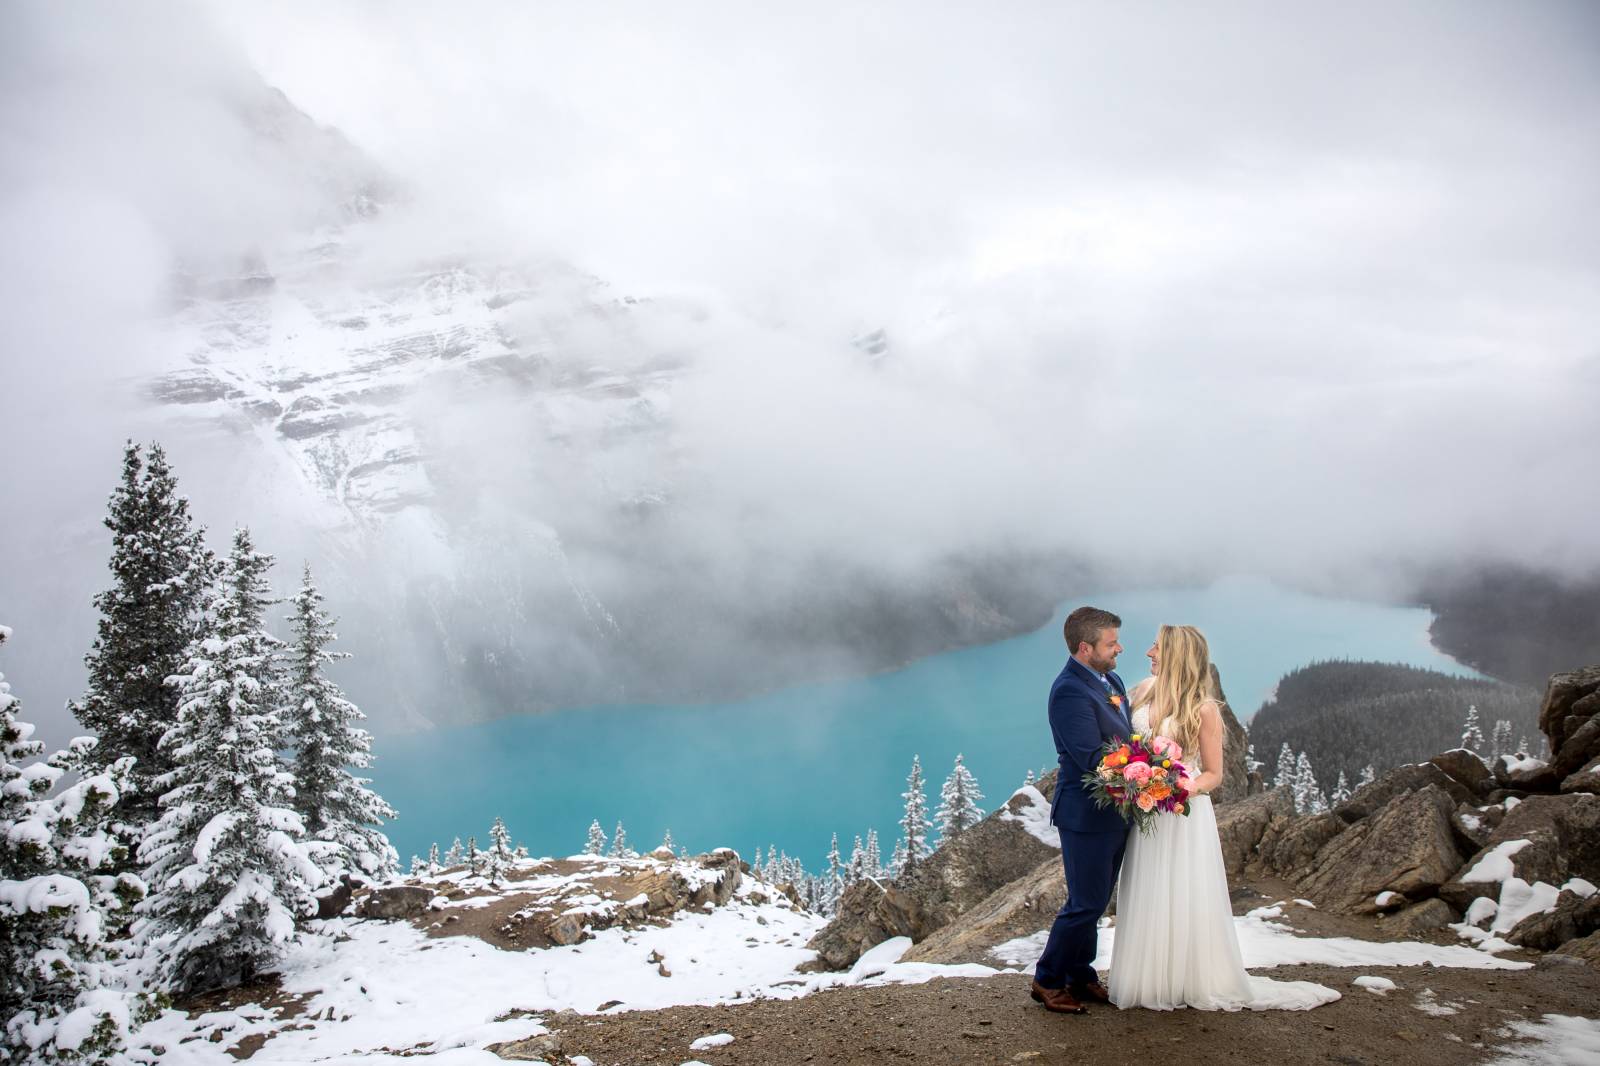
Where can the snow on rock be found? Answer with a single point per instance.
(1306, 903)
(1380, 986)
(705, 1043)
(1034, 816)
(1496, 865)
(1519, 900)
(1388, 900)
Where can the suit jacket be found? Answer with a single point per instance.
(1082, 719)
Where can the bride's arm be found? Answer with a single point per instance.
(1210, 749)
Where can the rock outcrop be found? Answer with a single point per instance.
(1562, 835)
(1406, 848)
(961, 874)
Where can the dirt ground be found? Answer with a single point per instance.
(992, 1020)
(1436, 1016)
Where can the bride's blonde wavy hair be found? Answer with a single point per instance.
(1182, 684)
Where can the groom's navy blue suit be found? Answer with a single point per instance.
(1082, 718)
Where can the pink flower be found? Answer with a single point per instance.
(1136, 772)
(1146, 802)
(1167, 748)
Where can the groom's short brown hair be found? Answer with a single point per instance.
(1085, 625)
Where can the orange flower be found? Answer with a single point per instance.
(1146, 802)
(1159, 790)
(1116, 701)
(1177, 808)
(1158, 773)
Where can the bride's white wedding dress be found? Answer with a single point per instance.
(1175, 943)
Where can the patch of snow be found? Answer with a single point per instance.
(706, 1043)
(1583, 888)
(1518, 763)
(1306, 903)
(1034, 816)
(1386, 900)
(1263, 913)
(1496, 865)
(1482, 909)
(1519, 900)
(1381, 986)
(1429, 1003)
(1510, 802)
(1554, 1040)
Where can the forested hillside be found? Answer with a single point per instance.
(1346, 715)
(1515, 624)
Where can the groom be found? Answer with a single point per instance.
(1088, 706)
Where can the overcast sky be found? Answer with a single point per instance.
(1307, 288)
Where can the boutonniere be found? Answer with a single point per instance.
(1115, 701)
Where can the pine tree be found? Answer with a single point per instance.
(958, 803)
(520, 852)
(1368, 776)
(1472, 732)
(897, 860)
(914, 824)
(666, 841)
(856, 869)
(161, 572)
(1522, 746)
(770, 872)
(474, 856)
(835, 886)
(874, 857)
(755, 862)
(1285, 776)
(227, 871)
(619, 844)
(596, 844)
(340, 813)
(433, 858)
(418, 867)
(1027, 782)
(456, 853)
(499, 860)
(1252, 765)
(1341, 790)
(58, 899)
(1308, 795)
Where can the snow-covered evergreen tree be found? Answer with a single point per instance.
(619, 843)
(456, 853)
(874, 856)
(1368, 776)
(958, 803)
(340, 813)
(914, 824)
(666, 841)
(1027, 782)
(433, 858)
(1308, 795)
(596, 844)
(474, 856)
(1522, 746)
(161, 572)
(856, 868)
(897, 859)
(418, 867)
(1252, 765)
(1285, 775)
(228, 874)
(770, 873)
(499, 861)
(60, 900)
(1341, 791)
(1472, 732)
(835, 884)
(520, 852)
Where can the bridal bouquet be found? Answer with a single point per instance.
(1139, 779)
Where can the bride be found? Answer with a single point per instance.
(1175, 943)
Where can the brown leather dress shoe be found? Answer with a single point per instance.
(1058, 1000)
(1092, 992)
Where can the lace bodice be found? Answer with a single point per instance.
(1191, 758)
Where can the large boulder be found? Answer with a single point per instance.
(1574, 916)
(396, 901)
(1563, 842)
(1397, 782)
(1586, 948)
(1407, 847)
(1466, 768)
(1241, 824)
(1291, 843)
(1010, 843)
(1235, 784)
(1421, 919)
(1519, 776)
(1585, 780)
(1022, 908)
(1567, 717)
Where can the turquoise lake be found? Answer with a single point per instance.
(792, 767)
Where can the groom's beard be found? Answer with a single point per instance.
(1103, 666)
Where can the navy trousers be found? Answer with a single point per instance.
(1092, 862)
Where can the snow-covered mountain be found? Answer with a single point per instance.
(487, 452)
